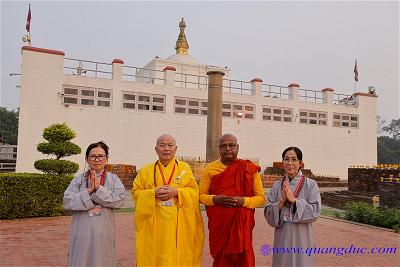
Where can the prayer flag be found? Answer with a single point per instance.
(28, 20)
(356, 71)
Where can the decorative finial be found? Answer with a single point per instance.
(27, 39)
(182, 45)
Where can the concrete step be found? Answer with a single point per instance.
(325, 179)
(332, 184)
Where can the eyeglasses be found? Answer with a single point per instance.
(97, 157)
(225, 146)
(287, 161)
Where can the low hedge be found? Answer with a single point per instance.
(24, 195)
(368, 214)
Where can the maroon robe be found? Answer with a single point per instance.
(230, 229)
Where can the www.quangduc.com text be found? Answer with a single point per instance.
(338, 251)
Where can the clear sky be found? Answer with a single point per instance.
(313, 43)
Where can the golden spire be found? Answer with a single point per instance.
(182, 45)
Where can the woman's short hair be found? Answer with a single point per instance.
(97, 144)
(296, 150)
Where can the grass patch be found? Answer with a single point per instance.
(125, 210)
(333, 214)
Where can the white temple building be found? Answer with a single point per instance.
(129, 107)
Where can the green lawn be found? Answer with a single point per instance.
(333, 214)
(125, 210)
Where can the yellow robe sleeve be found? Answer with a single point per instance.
(204, 186)
(190, 222)
(143, 195)
(258, 199)
(143, 192)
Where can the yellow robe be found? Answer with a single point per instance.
(167, 235)
(216, 167)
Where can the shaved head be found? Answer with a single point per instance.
(166, 148)
(227, 136)
(166, 137)
(228, 148)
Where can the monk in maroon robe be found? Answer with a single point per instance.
(231, 213)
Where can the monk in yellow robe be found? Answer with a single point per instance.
(231, 189)
(168, 222)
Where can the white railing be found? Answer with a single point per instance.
(275, 91)
(342, 99)
(237, 87)
(142, 75)
(185, 80)
(87, 68)
(307, 95)
(95, 69)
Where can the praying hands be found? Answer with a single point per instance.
(287, 195)
(165, 192)
(94, 183)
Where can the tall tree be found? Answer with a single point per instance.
(9, 126)
(393, 129)
(389, 142)
(380, 124)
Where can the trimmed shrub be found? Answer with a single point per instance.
(58, 143)
(56, 166)
(61, 149)
(58, 132)
(24, 195)
(368, 214)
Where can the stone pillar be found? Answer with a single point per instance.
(293, 90)
(256, 86)
(117, 69)
(169, 75)
(328, 96)
(214, 114)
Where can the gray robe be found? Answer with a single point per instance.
(293, 228)
(92, 238)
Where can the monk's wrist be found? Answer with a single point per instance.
(213, 199)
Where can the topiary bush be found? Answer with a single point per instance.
(56, 166)
(58, 143)
(60, 149)
(24, 195)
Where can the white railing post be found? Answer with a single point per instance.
(116, 69)
(294, 92)
(327, 96)
(256, 84)
(169, 75)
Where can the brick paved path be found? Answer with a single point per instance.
(44, 242)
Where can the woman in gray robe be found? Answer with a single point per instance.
(294, 202)
(93, 196)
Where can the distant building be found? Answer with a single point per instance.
(8, 158)
(129, 107)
